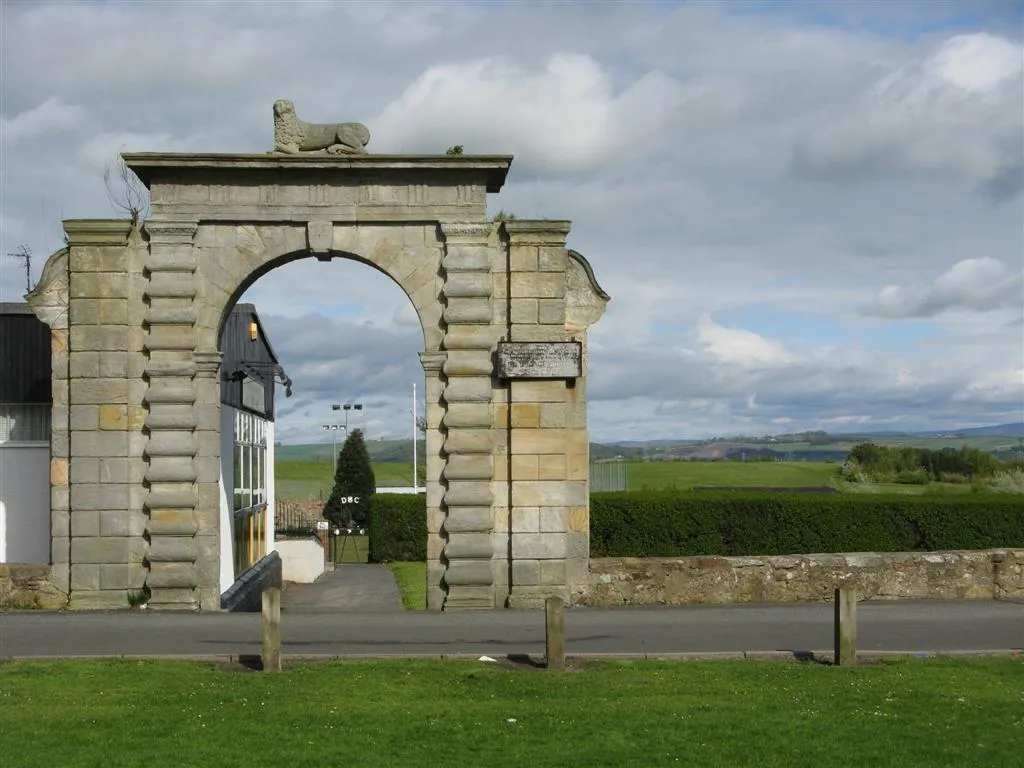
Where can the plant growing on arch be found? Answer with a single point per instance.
(354, 484)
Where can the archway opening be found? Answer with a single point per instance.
(314, 349)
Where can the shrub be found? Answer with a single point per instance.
(354, 484)
(660, 524)
(398, 527)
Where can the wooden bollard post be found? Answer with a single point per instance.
(846, 627)
(271, 630)
(554, 632)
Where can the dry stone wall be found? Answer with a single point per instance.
(954, 575)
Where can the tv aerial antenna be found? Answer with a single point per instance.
(25, 254)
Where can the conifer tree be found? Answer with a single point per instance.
(354, 484)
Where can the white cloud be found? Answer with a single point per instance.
(978, 285)
(100, 151)
(998, 387)
(52, 116)
(666, 132)
(565, 117)
(740, 347)
(958, 110)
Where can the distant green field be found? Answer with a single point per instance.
(297, 479)
(658, 475)
(988, 444)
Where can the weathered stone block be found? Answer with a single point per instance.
(523, 311)
(113, 364)
(478, 466)
(99, 496)
(468, 520)
(114, 576)
(552, 572)
(90, 258)
(552, 416)
(533, 442)
(98, 391)
(526, 572)
(538, 546)
(468, 311)
(166, 549)
(122, 523)
(113, 311)
(525, 415)
(554, 519)
(103, 549)
(548, 493)
(468, 494)
(552, 259)
(579, 519)
(468, 572)
(522, 258)
(539, 391)
(551, 311)
(468, 415)
(524, 467)
(172, 576)
(525, 520)
(464, 441)
(468, 389)
(97, 338)
(85, 577)
(85, 523)
(552, 467)
(98, 285)
(84, 311)
(468, 545)
(83, 470)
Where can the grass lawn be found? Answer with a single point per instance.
(412, 581)
(300, 479)
(349, 549)
(657, 475)
(118, 714)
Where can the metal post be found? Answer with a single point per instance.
(415, 473)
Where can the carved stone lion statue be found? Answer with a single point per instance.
(293, 135)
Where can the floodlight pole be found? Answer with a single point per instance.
(415, 474)
(334, 442)
(347, 407)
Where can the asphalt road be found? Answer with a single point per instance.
(906, 627)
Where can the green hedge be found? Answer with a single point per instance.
(680, 524)
(675, 524)
(398, 527)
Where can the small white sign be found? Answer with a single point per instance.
(322, 525)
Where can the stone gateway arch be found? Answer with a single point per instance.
(135, 313)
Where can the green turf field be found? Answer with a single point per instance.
(682, 475)
(123, 714)
(313, 479)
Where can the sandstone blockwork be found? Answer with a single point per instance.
(136, 313)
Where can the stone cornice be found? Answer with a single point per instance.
(198, 168)
(97, 231)
(466, 231)
(171, 232)
(537, 231)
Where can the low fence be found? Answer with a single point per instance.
(951, 575)
(297, 514)
(608, 476)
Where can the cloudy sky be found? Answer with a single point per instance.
(808, 215)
